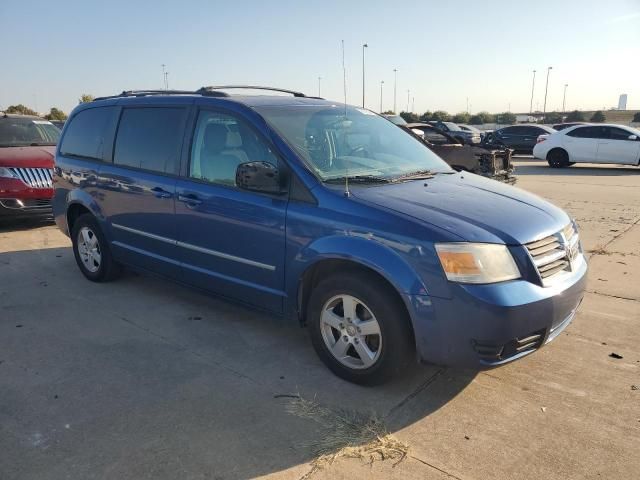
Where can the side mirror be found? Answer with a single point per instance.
(258, 177)
(632, 137)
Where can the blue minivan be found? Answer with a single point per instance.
(320, 212)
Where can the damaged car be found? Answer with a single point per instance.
(482, 159)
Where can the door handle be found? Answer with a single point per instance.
(190, 199)
(159, 192)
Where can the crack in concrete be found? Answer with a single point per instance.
(424, 462)
(613, 296)
(423, 386)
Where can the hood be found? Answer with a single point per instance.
(27, 157)
(471, 207)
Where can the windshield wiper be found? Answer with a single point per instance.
(359, 179)
(420, 174)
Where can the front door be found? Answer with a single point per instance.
(582, 143)
(137, 191)
(231, 241)
(617, 148)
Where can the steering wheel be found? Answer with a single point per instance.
(359, 149)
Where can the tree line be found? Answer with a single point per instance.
(504, 118)
(54, 113)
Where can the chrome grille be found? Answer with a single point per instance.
(553, 254)
(35, 177)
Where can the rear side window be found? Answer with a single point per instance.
(85, 135)
(513, 131)
(150, 138)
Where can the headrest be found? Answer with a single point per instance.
(215, 137)
(234, 140)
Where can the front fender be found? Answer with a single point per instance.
(369, 252)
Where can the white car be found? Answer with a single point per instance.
(590, 143)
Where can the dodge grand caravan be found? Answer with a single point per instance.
(321, 212)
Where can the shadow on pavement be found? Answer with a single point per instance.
(576, 170)
(143, 378)
(8, 224)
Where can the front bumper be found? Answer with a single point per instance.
(18, 199)
(483, 326)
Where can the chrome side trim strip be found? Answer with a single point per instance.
(226, 256)
(196, 248)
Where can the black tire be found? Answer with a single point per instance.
(396, 346)
(108, 268)
(558, 158)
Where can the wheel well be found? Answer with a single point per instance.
(324, 268)
(558, 149)
(73, 212)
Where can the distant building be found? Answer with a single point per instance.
(527, 118)
(622, 102)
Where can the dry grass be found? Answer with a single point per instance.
(347, 433)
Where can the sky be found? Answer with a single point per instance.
(444, 52)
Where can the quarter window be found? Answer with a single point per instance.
(221, 143)
(85, 135)
(150, 138)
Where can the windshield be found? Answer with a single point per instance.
(16, 132)
(359, 144)
(452, 127)
(469, 128)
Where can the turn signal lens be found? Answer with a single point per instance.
(477, 262)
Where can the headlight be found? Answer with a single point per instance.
(477, 262)
(6, 173)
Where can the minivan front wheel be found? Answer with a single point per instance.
(359, 328)
(91, 250)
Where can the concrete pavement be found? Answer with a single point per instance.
(142, 378)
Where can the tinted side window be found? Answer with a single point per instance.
(85, 135)
(618, 133)
(512, 131)
(436, 138)
(222, 142)
(586, 132)
(150, 138)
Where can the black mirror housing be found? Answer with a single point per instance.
(259, 177)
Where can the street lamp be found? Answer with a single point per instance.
(408, 93)
(395, 86)
(564, 96)
(319, 79)
(164, 76)
(544, 107)
(381, 84)
(533, 84)
(363, 47)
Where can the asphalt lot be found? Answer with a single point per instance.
(142, 378)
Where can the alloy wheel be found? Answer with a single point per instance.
(89, 249)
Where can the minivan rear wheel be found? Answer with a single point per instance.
(91, 250)
(359, 328)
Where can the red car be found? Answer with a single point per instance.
(27, 150)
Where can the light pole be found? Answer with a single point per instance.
(364, 45)
(408, 94)
(467, 104)
(413, 104)
(319, 80)
(564, 96)
(395, 87)
(544, 107)
(381, 84)
(164, 76)
(533, 84)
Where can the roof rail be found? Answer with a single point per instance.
(145, 93)
(251, 87)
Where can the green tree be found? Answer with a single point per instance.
(575, 116)
(388, 112)
(505, 118)
(441, 116)
(86, 98)
(20, 109)
(409, 117)
(462, 117)
(636, 117)
(481, 117)
(426, 116)
(552, 117)
(55, 114)
(598, 117)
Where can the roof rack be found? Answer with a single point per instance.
(213, 91)
(251, 87)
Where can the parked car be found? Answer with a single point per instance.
(395, 119)
(491, 163)
(27, 148)
(323, 213)
(520, 138)
(562, 126)
(597, 143)
(472, 129)
(465, 136)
